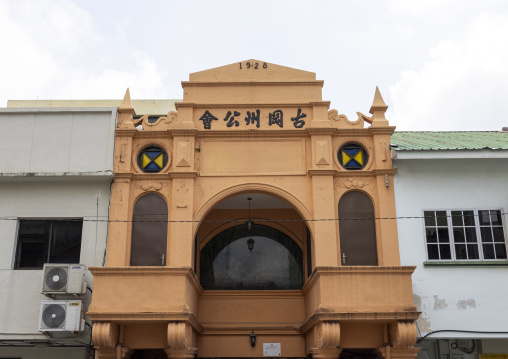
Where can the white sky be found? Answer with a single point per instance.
(440, 64)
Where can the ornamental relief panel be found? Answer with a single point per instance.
(145, 186)
(364, 183)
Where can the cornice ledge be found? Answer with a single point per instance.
(125, 132)
(183, 132)
(183, 174)
(184, 104)
(246, 330)
(154, 133)
(385, 171)
(251, 83)
(346, 173)
(141, 270)
(252, 133)
(382, 130)
(150, 176)
(366, 316)
(364, 269)
(318, 172)
(316, 131)
(147, 317)
(353, 132)
(124, 175)
(194, 281)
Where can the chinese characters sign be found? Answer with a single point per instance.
(254, 119)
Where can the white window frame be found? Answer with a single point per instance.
(451, 234)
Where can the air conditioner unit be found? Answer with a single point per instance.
(63, 279)
(61, 316)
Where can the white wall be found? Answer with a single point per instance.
(452, 297)
(56, 163)
(56, 141)
(20, 290)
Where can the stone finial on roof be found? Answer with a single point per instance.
(378, 110)
(126, 112)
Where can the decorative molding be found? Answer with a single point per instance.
(105, 335)
(324, 172)
(322, 148)
(354, 183)
(151, 186)
(325, 353)
(183, 174)
(177, 338)
(379, 317)
(183, 154)
(328, 335)
(403, 334)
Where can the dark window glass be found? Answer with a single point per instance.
(309, 254)
(466, 226)
(498, 234)
(433, 251)
(457, 220)
(486, 233)
(443, 235)
(275, 261)
(149, 231)
(357, 229)
(430, 219)
(445, 251)
(431, 235)
(48, 241)
(488, 251)
(500, 251)
(442, 220)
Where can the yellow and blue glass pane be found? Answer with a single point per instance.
(152, 159)
(352, 157)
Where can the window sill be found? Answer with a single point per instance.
(466, 263)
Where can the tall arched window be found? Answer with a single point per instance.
(357, 229)
(149, 231)
(263, 258)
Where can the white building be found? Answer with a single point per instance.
(56, 170)
(458, 181)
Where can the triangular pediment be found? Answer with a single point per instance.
(252, 70)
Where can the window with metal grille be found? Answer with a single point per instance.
(48, 241)
(465, 235)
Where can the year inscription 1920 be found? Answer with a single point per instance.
(253, 65)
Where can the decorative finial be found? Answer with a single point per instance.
(126, 112)
(378, 110)
(378, 104)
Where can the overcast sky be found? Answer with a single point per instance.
(440, 64)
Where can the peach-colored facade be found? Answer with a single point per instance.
(339, 308)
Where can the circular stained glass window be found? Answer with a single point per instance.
(152, 159)
(353, 156)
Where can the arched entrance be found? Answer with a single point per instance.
(272, 252)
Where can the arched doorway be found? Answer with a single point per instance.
(149, 231)
(271, 254)
(357, 229)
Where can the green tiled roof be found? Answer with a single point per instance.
(466, 140)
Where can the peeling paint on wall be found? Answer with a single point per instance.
(418, 301)
(463, 304)
(439, 304)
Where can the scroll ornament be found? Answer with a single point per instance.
(105, 335)
(403, 334)
(328, 335)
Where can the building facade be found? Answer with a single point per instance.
(450, 188)
(55, 177)
(223, 237)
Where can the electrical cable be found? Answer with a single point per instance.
(457, 331)
(243, 220)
